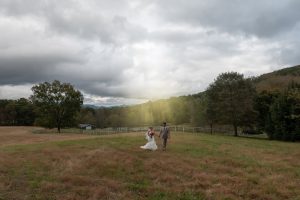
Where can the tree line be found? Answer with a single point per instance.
(231, 100)
(19, 112)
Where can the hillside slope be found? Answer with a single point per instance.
(278, 80)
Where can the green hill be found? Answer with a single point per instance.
(278, 80)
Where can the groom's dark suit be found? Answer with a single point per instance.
(164, 134)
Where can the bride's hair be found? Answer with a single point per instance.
(150, 133)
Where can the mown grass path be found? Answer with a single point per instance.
(114, 167)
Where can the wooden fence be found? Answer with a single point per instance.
(115, 130)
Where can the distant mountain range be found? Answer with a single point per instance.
(90, 106)
(277, 80)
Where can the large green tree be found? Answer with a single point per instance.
(57, 104)
(230, 100)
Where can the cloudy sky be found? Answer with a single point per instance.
(128, 51)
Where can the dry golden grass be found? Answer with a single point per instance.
(23, 135)
(114, 167)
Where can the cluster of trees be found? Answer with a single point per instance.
(230, 100)
(279, 113)
(16, 112)
(227, 101)
(60, 105)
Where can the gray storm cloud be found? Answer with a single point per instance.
(261, 18)
(125, 51)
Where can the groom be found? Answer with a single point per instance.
(164, 134)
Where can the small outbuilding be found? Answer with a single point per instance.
(86, 126)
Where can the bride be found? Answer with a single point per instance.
(151, 144)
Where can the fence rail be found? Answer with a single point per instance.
(115, 130)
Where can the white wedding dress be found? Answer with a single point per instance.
(151, 144)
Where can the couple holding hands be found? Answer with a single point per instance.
(164, 134)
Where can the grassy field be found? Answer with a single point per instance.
(114, 167)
